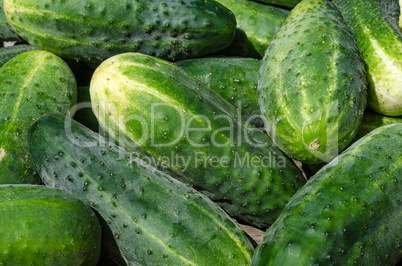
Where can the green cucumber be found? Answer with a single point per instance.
(239, 46)
(286, 3)
(155, 219)
(349, 213)
(8, 53)
(235, 79)
(381, 42)
(84, 113)
(33, 84)
(260, 22)
(6, 32)
(94, 30)
(46, 226)
(372, 121)
(312, 84)
(400, 15)
(146, 102)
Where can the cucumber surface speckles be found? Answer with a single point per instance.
(154, 219)
(349, 213)
(94, 30)
(312, 84)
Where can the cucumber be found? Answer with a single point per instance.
(33, 84)
(94, 30)
(239, 46)
(382, 52)
(146, 102)
(372, 121)
(155, 219)
(400, 15)
(6, 32)
(286, 3)
(260, 23)
(45, 226)
(312, 84)
(349, 213)
(8, 53)
(84, 113)
(235, 79)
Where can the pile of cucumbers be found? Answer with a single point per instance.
(135, 132)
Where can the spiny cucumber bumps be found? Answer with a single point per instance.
(312, 84)
(155, 220)
(375, 26)
(260, 22)
(146, 102)
(46, 226)
(349, 213)
(94, 30)
(8, 53)
(33, 84)
(234, 78)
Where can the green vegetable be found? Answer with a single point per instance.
(372, 121)
(155, 219)
(8, 53)
(144, 101)
(349, 213)
(235, 79)
(374, 24)
(45, 226)
(6, 32)
(312, 84)
(33, 84)
(239, 46)
(260, 22)
(94, 30)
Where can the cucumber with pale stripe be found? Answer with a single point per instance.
(349, 213)
(375, 26)
(46, 226)
(155, 220)
(94, 30)
(312, 84)
(260, 22)
(33, 84)
(234, 78)
(144, 101)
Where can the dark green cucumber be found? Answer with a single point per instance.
(33, 84)
(144, 101)
(349, 213)
(372, 121)
(239, 46)
(155, 219)
(6, 32)
(381, 42)
(286, 3)
(312, 84)
(46, 226)
(84, 113)
(400, 15)
(97, 29)
(235, 79)
(8, 53)
(260, 23)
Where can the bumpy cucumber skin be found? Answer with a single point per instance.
(372, 121)
(94, 30)
(8, 53)
(155, 219)
(259, 21)
(286, 3)
(235, 79)
(33, 84)
(132, 90)
(349, 213)
(382, 52)
(6, 32)
(312, 84)
(46, 226)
